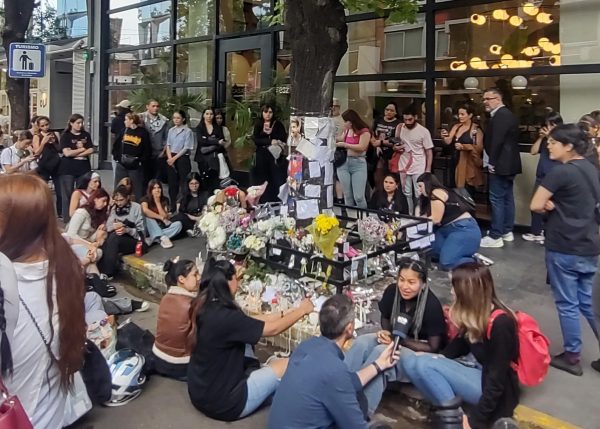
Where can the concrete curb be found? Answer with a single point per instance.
(148, 275)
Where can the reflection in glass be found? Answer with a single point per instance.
(194, 62)
(142, 66)
(195, 18)
(243, 15)
(142, 25)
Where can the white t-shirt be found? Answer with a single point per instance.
(9, 157)
(36, 379)
(416, 141)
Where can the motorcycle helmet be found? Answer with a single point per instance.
(127, 377)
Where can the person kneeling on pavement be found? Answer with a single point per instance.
(173, 326)
(225, 380)
(476, 366)
(411, 298)
(318, 390)
(125, 226)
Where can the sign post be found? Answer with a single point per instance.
(27, 60)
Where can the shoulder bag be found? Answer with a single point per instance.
(340, 155)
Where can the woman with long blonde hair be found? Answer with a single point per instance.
(48, 344)
(476, 366)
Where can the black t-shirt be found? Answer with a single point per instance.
(433, 318)
(571, 227)
(193, 205)
(218, 371)
(79, 165)
(381, 127)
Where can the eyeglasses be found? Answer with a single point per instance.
(489, 98)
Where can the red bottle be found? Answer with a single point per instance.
(138, 249)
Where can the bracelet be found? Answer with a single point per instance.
(377, 367)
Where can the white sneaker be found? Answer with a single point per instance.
(533, 237)
(508, 237)
(483, 259)
(165, 242)
(144, 307)
(488, 241)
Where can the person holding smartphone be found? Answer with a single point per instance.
(467, 139)
(381, 148)
(18, 157)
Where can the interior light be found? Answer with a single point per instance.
(478, 19)
(500, 14)
(544, 18)
(556, 49)
(530, 9)
(555, 60)
(458, 65)
(531, 51)
(495, 49)
(515, 20)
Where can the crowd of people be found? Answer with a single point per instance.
(462, 359)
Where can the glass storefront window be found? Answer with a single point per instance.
(114, 4)
(142, 66)
(141, 26)
(369, 99)
(194, 116)
(508, 35)
(195, 18)
(243, 15)
(194, 62)
(374, 47)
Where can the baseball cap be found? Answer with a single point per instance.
(125, 104)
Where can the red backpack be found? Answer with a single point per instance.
(534, 355)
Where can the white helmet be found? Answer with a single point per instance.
(127, 377)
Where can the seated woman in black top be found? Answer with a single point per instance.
(224, 381)
(457, 235)
(211, 143)
(271, 166)
(488, 381)
(389, 197)
(191, 204)
(410, 297)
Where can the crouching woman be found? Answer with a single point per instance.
(174, 324)
(475, 367)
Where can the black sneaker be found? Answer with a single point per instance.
(596, 365)
(562, 362)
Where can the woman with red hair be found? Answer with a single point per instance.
(48, 344)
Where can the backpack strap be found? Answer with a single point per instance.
(491, 320)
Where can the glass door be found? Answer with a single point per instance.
(244, 71)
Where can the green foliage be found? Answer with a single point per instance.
(169, 102)
(256, 270)
(396, 11)
(45, 25)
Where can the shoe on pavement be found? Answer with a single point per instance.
(165, 242)
(596, 365)
(483, 259)
(190, 233)
(488, 241)
(509, 236)
(144, 306)
(533, 237)
(563, 363)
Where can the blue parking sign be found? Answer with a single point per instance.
(26, 60)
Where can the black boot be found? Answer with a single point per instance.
(448, 415)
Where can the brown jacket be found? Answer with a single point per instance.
(173, 326)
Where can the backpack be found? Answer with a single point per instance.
(534, 355)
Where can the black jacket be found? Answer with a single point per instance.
(499, 382)
(379, 201)
(501, 142)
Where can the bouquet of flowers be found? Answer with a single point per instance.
(230, 219)
(211, 227)
(234, 243)
(325, 230)
(254, 244)
(371, 230)
(254, 193)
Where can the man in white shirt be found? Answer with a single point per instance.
(417, 148)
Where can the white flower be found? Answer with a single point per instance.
(252, 242)
(209, 222)
(289, 222)
(217, 238)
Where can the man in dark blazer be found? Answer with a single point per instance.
(502, 148)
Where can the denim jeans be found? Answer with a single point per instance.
(502, 201)
(441, 379)
(136, 177)
(261, 384)
(571, 279)
(353, 177)
(364, 351)
(155, 231)
(410, 190)
(456, 243)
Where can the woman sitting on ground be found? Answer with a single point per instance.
(158, 220)
(221, 383)
(473, 367)
(174, 324)
(191, 204)
(126, 181)
(125, 226)
(389, 197)
(457, 235)
(85, 186)
(426, 331)
(47, 347)
(18, 157)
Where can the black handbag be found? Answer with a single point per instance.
(339, 157)
(96, 374)
(130, 162)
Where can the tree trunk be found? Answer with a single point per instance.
(317, 31)
(17, 17)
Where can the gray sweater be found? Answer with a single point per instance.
(158, 128)
(135, 217)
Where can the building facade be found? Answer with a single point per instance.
(544, 55)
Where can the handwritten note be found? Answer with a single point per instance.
(314, 169)
(312, 191)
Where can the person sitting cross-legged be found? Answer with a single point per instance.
(318, 390)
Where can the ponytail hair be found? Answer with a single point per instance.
(175, 268)
(214, 288)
